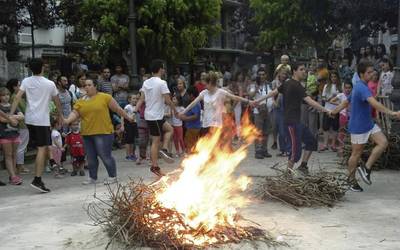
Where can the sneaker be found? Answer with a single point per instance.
(355, 187)
(48, 170)
(139, 161)
(15, 180)
(39, 185)
(156, 171)
(167, 158)
(89, 181)
(110, 180)
(81, 173)
(74, 173)
(281, 154)
(365, 174)
(259, 155)
(274, 146)
(303, 169)
(267, 155)
(133, 158)
(128, 157)
(2, 183)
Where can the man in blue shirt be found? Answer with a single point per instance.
(362, 126)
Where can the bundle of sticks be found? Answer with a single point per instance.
(322, 189)
(131, 215)
(390, 158)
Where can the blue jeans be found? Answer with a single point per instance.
(284, 144)
(100, 146)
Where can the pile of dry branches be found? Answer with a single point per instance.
(322, 189)
(131, 215)
(390, 158)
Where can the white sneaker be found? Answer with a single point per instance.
(110, 180)
(89, 181)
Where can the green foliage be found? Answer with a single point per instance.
(170, 29)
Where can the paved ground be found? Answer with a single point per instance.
(57, 220)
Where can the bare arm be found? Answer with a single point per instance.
(269, 95)
(73, 116)
(19, 116)
(379, 106)
(17, 100)
(168, 101)
(188, 118)
(192, 104)
(340, 107)
(315, 104)
(114, 106)
(236, 98)
(57, 102)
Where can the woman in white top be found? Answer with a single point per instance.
(213, 99)
(330, 125)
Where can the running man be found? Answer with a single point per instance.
(362, 127)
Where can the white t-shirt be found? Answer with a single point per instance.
(154, 89)
(39, 92)
(328, 94)
(131, 111)
(175, 120)
(261, 91)
(55, 138)
(213, 107)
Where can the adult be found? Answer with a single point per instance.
(120, 83)
(330, 125)
(66, 98)
(201, 84)
(97, 129)
(104, 82)
(213, 99)
(262, 113)
(385, 87)
(155, 94)
(256, 67)
(379, 55)
(39, 92)
(13, 87)
(77, 89)
(181, 93)
(294, 94)
(362, 126)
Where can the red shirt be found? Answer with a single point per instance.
(75, 143)
(200, 86)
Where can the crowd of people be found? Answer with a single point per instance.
(313, 103)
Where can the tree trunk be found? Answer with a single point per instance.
(33, 39)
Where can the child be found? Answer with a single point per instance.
(130, 129)
(75, 143)
(344, 115)
(9, 137)
(178, 129)
(373, 85)
(56, 147)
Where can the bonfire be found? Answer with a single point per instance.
(195, 206)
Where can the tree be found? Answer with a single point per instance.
(170, 29)
(36, 14)
(318, 22)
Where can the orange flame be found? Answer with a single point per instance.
(207, 193)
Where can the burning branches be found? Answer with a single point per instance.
(132, 215)
(322, 189)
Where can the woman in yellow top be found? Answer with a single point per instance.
(97, 129)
